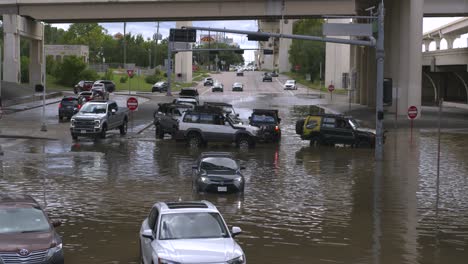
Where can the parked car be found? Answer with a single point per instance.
(99, 92)
(239, 87)
(95, 118)
(160, 87)
(267, 78)
(329, 129)
(27, 235)
(240, 73)
(269, 123)
(68, 106)
(110, 85)
(290, 85)
(83, 86)
(217, 87)
(217, 172)
(186, 100)
(188, 232)
(167, 116)
(190, 92)
(208, 81)
(211, 124)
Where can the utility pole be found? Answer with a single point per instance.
(380, 56)
(125, 46)
(156, 48)
(44, 74)
(169, 66)
(1, 110)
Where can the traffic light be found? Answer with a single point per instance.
(257, 38)
(182, 35)
(267, 52)
(239, 51)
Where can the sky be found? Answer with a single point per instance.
(148, 29)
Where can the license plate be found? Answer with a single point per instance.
(83, 131)
(222, 189)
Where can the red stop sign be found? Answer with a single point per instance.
(331, 88)
(412, 112)
(130, 73)
(132, 103)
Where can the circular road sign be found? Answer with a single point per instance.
(412, 112)
(331, 88)
(130, 73)
(132, 104)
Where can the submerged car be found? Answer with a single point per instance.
(217, 172)
(188, 232)
(27, 235)
(269, 123)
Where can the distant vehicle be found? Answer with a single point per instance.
(84, 97)
(329, 129)
(267, 78)
(110, 85)
(68, 106)
(26, 233)
(186, 100)
(99, 92)
(217, 172)
(217, 87)
(95, 118)
(208, 81)
(83, 86)
(188, 232)
(203, 125)
(269, 123)
(167, 116)
(274, 74)
(160, 87)
(190, 92)
(240, 73)
(290, 85)
(239, 87)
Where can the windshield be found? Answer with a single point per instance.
(192, 226)
(69, 101)
(218, 163)
(94, 108)
(22, 220)
(289, 82)
(354, 124)
(189, 92)
(263, 119)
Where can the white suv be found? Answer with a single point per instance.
(188, 232)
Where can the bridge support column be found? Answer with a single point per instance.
(35, 62)
(450, 40)
(403, 58)
(11, 49)
(183, 60)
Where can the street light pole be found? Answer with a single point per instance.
(169, 67)
(43, 69)
(380, 55)
(1, 110)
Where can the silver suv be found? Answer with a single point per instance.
(188, 232)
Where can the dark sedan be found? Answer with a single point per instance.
(267, 78)
(217, 172)
(217, 87)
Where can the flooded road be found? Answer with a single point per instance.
(301, 204)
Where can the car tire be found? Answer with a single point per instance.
(194, 140)
(159, 133)
(74, 136)
(123, 128)
(103, 132)
(243, 142)
(60, 118)
(315, 142)
(363, 144)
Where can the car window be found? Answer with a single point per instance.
(206, 119)
(94, 108)
(192, 226)
(153, 217)
(69, 101)
(328, 122)
(218, 163)
(263, 119)
(191, 118)
(22, 220)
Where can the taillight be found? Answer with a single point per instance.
(276, 128)
(79, 107)
(60, 105)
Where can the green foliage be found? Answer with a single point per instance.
(109, 75)
(24, 69)
(88, 74)
(123, 79)
(205, 57)
(91, 34)
(51, 65)
(152, 79)
(68, 73)
(308, 54)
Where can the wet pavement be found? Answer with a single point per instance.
(301, 204)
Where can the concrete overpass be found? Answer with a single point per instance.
(403, 25)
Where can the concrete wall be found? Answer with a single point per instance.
(337, 59)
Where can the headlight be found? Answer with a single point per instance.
(97, 123)
(238, 260)
(54, 250)
(238, 179)
(163, 261)
(203, 179)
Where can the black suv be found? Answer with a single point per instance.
(189, 92)
(68, 106)
(329, 129)
(269, 123)
(267, 77)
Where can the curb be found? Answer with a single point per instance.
(26, 137)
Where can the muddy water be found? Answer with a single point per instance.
(301, 204)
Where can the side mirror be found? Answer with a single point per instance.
(194, 167)
(56, 223)
(235, 231)
(148, 233)
(113, 111)
(242, 167)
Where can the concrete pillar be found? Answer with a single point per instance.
(427, 43)
(371, 76)
(450, 40)
(35, 62)
(284, 45)
(183, 60)
(356, 66)
(437, 41)
(11, 49)
(363, 76)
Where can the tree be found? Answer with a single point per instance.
(229, 57)
(91, 34)
(308, 54)
(68, 72)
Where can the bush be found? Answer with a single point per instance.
(109, 75)
(123, 79)
(152, 79)
(67, 72)
(88, 74)
(24, 69)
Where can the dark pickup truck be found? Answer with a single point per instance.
(167, 117)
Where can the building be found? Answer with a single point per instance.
(58, 52)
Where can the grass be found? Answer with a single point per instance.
(51, 84)
(312, 85)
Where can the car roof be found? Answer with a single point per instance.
(215, 154)
(265, 111)
(183, 98)
(291, 81)
(15, 199)
(69, 97)
(186, 207)
(217, 104)
(237, 83)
